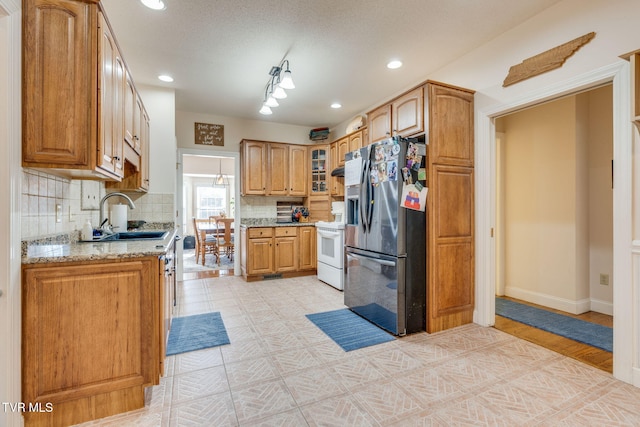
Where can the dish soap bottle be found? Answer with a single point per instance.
(87, 231)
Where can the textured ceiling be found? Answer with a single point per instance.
(220, 51)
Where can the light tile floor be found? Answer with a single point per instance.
(280, 370)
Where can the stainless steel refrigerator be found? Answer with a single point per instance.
(385, 241)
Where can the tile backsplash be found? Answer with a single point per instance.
(262, 207)
(52, 205)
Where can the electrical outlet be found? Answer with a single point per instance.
(604, 279)
(58, 212)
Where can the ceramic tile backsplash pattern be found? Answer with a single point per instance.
(42, 192)
(155, 207)
(262, 207)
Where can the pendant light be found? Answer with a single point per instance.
(220, 180)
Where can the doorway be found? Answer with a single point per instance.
(554, 214)
(208, 185)
(488, 108)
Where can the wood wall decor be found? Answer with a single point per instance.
(209, 134)
(545, 61)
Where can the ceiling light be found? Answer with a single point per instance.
(287, 81)
(275, 88)
(336, 105)
(394, 64)
(271, 102)
(279, 93)
(265, 110)
(165, 78)
(154, 4)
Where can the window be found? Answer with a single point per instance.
(210, 201)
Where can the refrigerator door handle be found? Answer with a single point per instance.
(364, 195)
(370, 202)
(376, 260)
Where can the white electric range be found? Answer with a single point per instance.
(331, 253)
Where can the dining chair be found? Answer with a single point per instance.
(224, 227)
(205, 244)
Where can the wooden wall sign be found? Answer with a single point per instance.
(209, 134)
(545, 61)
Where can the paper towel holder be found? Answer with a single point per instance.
(107, 227)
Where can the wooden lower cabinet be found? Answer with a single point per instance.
(284, 251)
(90, 338)
(450, 210)
(307, 248)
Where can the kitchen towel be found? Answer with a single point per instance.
(118, 217)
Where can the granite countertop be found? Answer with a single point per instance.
(269, 222)
(67, 250)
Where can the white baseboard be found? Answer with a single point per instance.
(604, 307)
(573, 307)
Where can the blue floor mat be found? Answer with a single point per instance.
(349, 330)
(569, 327)
(196, 332)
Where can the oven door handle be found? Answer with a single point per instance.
(328, 234)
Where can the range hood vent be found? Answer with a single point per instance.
(338, 171)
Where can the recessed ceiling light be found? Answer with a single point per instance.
(336, 105)
(394, 64)
(154, 4)
(165, 78)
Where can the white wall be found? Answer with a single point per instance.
(540, 201)
(161, 107)
(237, 129)
(558, 202)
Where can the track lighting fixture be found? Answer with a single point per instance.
(275, 88)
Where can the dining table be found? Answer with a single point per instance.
(211, 227)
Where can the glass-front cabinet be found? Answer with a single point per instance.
(319, 173)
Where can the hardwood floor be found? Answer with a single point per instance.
(590, 355)
(192, 275)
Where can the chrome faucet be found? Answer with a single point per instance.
(107, 227)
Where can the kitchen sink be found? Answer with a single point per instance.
(130, 236)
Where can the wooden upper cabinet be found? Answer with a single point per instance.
(379, 123)
(136, 169)
(59, 88)
(404, 116)
(320, 171)
(407, 113)
(110, 111)
(278, 176)
(342, 149)
(145, 150)
(254, 163)
(110, 68)
(298, 176)
(74, 81)
(356, 141)
(286, 165)
(132, 107)
(450, 125)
